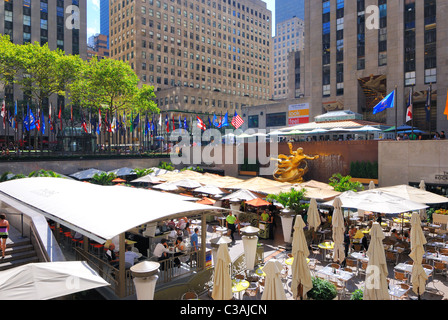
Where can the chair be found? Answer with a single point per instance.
(363, 268)
(312, 265)
(443, 251)
(284, 276)
(352, 263)
(400, 276)
(191, 295)
(439, 268)
(348, 269)
(252, 291)
(429, 267)
(334, 265)
(406, 287)
(339, 287)
(315, 250)
(392, 257)
(240, 277)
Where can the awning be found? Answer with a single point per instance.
(99, 212)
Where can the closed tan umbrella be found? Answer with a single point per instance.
(376, 273)
(418, 240)
(371, 185)
(301, 274)
(338, 231)
(222, 283)
(273, 288)
(313, 215)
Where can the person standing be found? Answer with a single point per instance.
(4, 231)
(230, 224)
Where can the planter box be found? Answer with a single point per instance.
(364, 180)
(248, 173)
(440, 218)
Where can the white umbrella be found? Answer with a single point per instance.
(301, 274)
(86, 174)
(313, 215)
(376, 273)
(377, 201)
(241, 195)
(167, 186)
(422, 185)
(273, 288)
(371, 185)
(222, 283)
(317, 130)
(209, 189)
(187, 183)
(338, 231)
(149, 178)
(418, 240)
(48, 280)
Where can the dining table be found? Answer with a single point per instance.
(435, 256)
(290, 261)
(408, 268)
(239, 286)
(397, 291)
(325, 246)
(360, 256)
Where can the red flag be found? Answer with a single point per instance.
(174, 127)
(3, 113)
(71, 113)
(60, 115)
(200, 123)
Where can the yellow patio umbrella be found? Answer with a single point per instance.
(376, 272)
(273, 288)
(222, 283)
(301, 274)
(338, 231)
(418, 240)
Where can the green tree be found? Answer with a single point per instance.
(343, 183)
(104, 178)
(290, 199)
(142, 172)
(8, 61)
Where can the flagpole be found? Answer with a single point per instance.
(412, 109)
(396, 112)
(429, 107)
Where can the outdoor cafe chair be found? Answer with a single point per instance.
(339, 287)
(352, 263)
(190, 295)
(363, 268)
(440, 268)
(334, 265)
(400, 276)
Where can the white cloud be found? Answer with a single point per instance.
(96, 4)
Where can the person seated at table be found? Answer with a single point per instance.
(171, 224)
(352, 232)
(161, 252)
(365, 243)
(395, 236)
(180, 250)
(111, 256)
(129, 257)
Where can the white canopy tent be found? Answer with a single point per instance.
(48, 280)
(98, 212)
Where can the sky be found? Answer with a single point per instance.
(93, 16)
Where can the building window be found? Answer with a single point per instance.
(409, 42)
(382, 34)
(276, 119)
(252, 121)
(361, 33)
(430, 42)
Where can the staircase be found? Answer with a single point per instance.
(19, 251)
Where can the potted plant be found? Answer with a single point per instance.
(357, 295)
(440, 216)
(322, 290)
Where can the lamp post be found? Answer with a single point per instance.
(250, 240)
(235, 206)
(287, 217)
(145, 279)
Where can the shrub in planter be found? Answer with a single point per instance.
(322, 290)
(357, 295)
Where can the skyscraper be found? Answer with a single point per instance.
(360, 61)
(287, 9)
(104, 19)
(201, 56)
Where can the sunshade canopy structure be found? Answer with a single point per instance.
(98, 211)
(257, 184)
(241, 195)
(48, 280)
(209, 189)
(86, 174)
(121, 172)
(414, 194)
(377, 201)
(149, 178)
(257, 202)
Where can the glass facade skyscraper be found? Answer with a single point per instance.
(287, 9)
(104, 19)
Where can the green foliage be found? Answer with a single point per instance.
(364, 169)
(322, 290)
(142, 172)
(357, 295)
(290, 199)
(44, 173)
(197, 169)
(104, 178)
(342, 183)
(166, 165)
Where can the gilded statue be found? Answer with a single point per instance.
(292, 168)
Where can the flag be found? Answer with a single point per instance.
(136, 121)
(446, 106)
(237, 121)
(43, 123)
(83, 122)
(3, 113)
(200, 123)
(49, 118)
(387, 102)
(185, 123)
(225, 121)
(98, 129)
(428, 104)
(167, 124)
(38, 120)
(209, 122)
(174, 127)
(409, 107)
(15, 116)
(60, 115)
(180, 122)
(29, 121)
(215, 121)
(71, 113)
(113, 126)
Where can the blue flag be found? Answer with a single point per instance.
(185, 123)
(29, 120)
(43, 123)
(215, 121)
(225, 121)
(387, 102)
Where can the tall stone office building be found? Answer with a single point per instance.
(202, 56)
(353, 60)
(61, 24)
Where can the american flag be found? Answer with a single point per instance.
(3, 114)
(201, 124)
(237, 121)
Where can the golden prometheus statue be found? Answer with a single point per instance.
(292, 168)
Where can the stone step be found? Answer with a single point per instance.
(17, 262)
